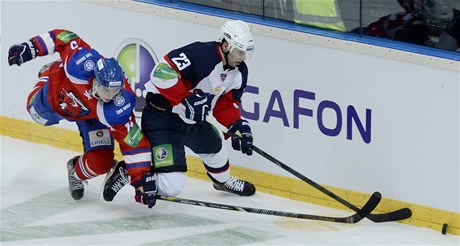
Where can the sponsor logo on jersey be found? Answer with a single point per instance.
(164, 71)
(121, 110)
(85, 58)
(137, 59)
(162, 155)
(66, 36)
(100, 137)
(134, 136)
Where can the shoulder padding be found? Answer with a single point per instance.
(120, 108)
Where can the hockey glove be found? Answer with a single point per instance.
(20, 53)
(197, 105)
(245, 142)
(146, 190)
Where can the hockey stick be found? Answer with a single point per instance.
(399, 214)
(355, 218)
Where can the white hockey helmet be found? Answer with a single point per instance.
(238, 36)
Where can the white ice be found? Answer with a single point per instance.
(37, 209)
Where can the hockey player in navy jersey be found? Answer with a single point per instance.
(187, 84)
(92, 91)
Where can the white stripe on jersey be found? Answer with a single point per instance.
(159, 82)
(139, 157)
(72, 78)
(151, 88)
(101, 115)
(48, 42)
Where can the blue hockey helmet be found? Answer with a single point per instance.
(108, 79)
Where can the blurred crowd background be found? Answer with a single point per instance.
(434, 23)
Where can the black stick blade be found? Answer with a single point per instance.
(400, 214)
(370, 205)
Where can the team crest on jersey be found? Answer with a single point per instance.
(72, 105)
(223, 76)
(89, 65)
(119, 100)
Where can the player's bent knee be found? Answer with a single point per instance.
(99, 161)
(170, 184)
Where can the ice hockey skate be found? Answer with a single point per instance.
(115, 179)
(235, 186)
(76, 186)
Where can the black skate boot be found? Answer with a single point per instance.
(76, 186)
(235, 186)
(115, 179)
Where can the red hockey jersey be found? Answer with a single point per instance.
(69, 94)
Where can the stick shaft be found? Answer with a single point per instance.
(370, 205)
(400, 214)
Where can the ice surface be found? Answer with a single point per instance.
(37, 209)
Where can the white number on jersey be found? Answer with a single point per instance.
(182, 61)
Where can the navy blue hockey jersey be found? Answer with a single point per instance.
(199, 66)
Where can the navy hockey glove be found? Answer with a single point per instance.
(245, 142)
(20, 53)
(146, 190)
(197, 105)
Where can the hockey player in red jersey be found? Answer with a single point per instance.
(185, 85)
(92, 91)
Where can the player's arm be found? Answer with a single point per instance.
(227, 112)
(227, 109)
(169, 78)
(57, 40)
(170, 81)
(135, 148)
